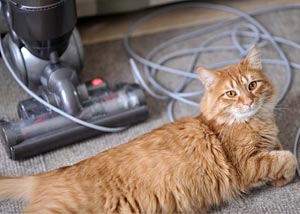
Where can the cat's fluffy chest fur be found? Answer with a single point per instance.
(261, 133)
(243, 141)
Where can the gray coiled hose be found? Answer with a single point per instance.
(251, 29)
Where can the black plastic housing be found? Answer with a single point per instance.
(43, 26)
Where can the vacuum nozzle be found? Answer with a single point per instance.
(35, 134)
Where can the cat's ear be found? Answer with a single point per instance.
(207, 77)
(253, 58)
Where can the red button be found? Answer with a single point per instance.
(97, 82)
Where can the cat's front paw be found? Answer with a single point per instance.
(280, 182)
(287, 172)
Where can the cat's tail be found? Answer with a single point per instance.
(17, 187)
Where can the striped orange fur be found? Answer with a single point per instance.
(182, 167)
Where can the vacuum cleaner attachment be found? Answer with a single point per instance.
(41, 130)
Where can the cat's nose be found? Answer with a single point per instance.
(248, 102)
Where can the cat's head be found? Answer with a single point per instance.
(238, 92)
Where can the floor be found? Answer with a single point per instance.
(99, 29)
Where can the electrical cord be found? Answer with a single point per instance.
(252, 29)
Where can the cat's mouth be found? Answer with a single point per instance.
(247, 113)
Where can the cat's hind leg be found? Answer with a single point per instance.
(49, 207)
(61, 198)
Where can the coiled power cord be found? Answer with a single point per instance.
(250, 28)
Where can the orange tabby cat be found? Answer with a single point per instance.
(186, 166)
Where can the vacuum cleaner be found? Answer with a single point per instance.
(45, 51)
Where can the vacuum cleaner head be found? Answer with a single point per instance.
(41, 130)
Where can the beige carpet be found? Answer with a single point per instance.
(110, 60)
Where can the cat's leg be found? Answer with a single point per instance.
(44, 208)
(276, 166)
(287, 171)
(56, 207)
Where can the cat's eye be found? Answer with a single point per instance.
(252, 85)
(231, 93)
